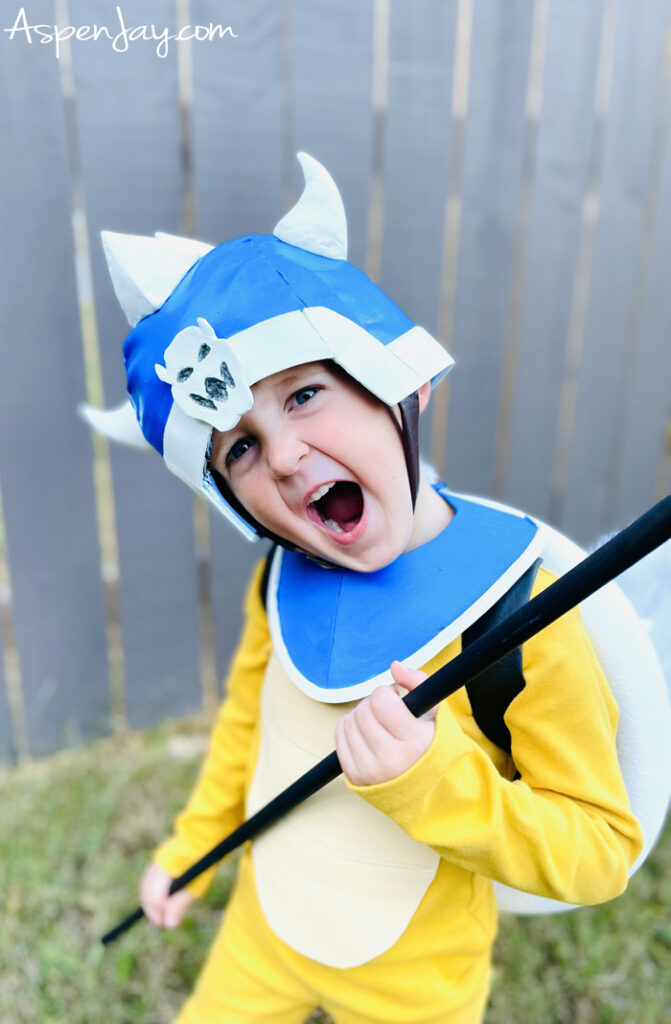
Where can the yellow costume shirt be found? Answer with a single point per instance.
(552, 818)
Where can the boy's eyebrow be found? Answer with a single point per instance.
(284, 378)
(296, 372)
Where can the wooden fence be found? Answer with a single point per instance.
(506, 170)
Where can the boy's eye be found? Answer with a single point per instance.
(238, 449)
(305, 394)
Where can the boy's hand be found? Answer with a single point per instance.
(161, 908)
(380, 739)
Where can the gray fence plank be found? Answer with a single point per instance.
(417, 155)
(638, 48)
(331, 95)
(129, 140)
(492, 171)
(45, 457)
(562, 166)
(647, 407)
(299, 76)
(237, 120)
(237, 170)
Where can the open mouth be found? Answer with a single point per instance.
(339, 505)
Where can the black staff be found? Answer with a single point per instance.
(603, 565)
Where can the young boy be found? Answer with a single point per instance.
(284, 385)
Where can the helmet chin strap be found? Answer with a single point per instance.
(409, 409)
(228, 495)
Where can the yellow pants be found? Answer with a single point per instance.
(252, 977)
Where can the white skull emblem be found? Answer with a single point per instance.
(206, 377)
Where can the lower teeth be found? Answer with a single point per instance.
(332, 525)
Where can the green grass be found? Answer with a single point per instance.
(75, 834)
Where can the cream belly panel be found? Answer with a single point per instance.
(337, 880)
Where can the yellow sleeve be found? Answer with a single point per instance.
(216, 805)
(564, 828)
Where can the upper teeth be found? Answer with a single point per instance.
(320, 492)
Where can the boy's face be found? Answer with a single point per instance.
(319, 461)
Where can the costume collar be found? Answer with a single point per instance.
(337, 631)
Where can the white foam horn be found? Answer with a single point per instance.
(119, 424)
(317, 222)
(145, 270)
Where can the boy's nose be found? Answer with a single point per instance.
(284, 452)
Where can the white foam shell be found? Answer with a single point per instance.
(632, 668)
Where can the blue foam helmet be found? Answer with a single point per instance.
(208, 323)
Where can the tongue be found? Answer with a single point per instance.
(343, 503)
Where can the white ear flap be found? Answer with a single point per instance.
(118, 424)
(144, 270)
(317, 222)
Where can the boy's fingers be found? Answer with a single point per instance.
(153, 911)
(155, 882)
(167, 911)
(176, 908)
(350, 759)
(395, 717)
(408, 678)
(154, 893)
(358, 730)
(390, 711)
(380, 738)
